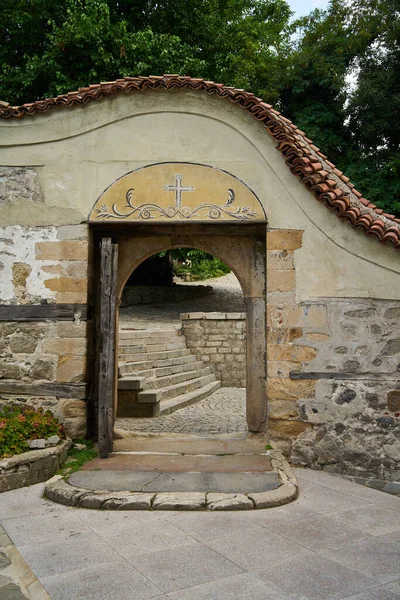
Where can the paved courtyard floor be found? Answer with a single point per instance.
(224, 411)
(337, 541)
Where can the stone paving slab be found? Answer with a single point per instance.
(153, 481)
(254, 463)
(160, 554)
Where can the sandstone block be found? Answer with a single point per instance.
(66, 284)
(287, 429)
(71, 369)
(71, 297)
(284, 239)
(287, 389)
(293, 353)
(66, 346)
(280, 260)
(282, 409)
(21, 272)
(52, 269)
(283, 335)
(62, 250)
(77, 269)
(279, 368)
(66, 329)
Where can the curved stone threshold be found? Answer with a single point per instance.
(59, 490)
(32, 467)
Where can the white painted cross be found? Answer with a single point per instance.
(178, 188)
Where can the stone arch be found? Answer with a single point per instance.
(245, 255)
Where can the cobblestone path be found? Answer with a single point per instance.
(226, 296)
(224, 411)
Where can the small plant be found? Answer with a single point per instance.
(77, 458)
(268, 447)
(19, 424)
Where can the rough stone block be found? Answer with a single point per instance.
(179, 501)
(228, 502)
(65, 346)
(19, 184)
(394, 401)
(62, 250)
(23, 343)
(284, 239)
(131, 501)
(282, 495)
(282, 409)
(287, 429)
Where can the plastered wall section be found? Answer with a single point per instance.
(45, 265)
(74, 154)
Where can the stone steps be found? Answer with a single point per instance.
(154, 357)
(171, 405)
(150, 382)
(158, 394)
(158, 374)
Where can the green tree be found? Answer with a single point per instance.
(48, 47)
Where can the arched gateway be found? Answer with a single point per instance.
(178, 162)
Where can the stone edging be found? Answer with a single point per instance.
(58, 490)
(214, 316)
(32, 467)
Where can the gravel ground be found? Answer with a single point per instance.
(226, 296)
(224, 411)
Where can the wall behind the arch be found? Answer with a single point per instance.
(332, 292)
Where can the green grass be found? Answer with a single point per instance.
(80, 458)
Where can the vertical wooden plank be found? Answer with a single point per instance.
(107, 331)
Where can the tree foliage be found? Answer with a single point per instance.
(335, 73)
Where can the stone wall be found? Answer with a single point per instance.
(149, 294)
(219, 340)
(333, 374)
(43, 327)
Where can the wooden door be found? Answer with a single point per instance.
(106, 368)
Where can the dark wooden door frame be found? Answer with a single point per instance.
(106, 336)
(105, 365)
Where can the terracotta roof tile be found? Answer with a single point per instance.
(298, 150)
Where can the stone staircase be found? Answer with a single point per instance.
(158, 374)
